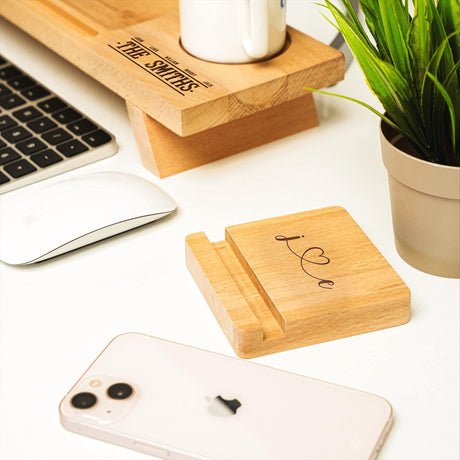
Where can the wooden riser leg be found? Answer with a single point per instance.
(165, 153)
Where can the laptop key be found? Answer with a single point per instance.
(4, 90)
(2, 144)
(16, 134)
(31, 146)
(66, 116)
(8, 155)
(97, 138)
(4, 178)
(21, 82)
(56, 136)
(72, 148)
(6, 122)
(19, 168)
(41, 125)
(9, 72)
(46, 158)
(11, 101)
(35, 92)
(81, 127)
(52, 105)
(27, 114)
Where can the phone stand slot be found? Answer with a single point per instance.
(265, 316)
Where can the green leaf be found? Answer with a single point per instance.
(396, 25)
(449, 103)
(419, 43)
(451, 84)
(374, 23)
(434, 109)
(367, 106)
(438, 35)
(449, 11)
(353, 21)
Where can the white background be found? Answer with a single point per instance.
(55, 317)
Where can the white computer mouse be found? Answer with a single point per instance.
(40, 223)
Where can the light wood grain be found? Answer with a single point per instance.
(222, 293)
(99, 36)
(295, 301)
(117, 14)
(164, 153)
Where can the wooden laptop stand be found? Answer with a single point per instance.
(184, 111)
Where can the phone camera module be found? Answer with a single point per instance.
(120, 391)
(83, 400)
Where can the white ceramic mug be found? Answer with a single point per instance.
(233, 31)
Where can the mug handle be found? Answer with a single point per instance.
(257, 44)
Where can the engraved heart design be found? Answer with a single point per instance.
(317, 258)
(314, 255)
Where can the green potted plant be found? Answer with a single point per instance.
(410, 56)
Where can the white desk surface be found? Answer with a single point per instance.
(55, 317)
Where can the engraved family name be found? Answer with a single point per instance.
(164, 68)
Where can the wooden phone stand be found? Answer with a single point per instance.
(184, 111)
(296, 280)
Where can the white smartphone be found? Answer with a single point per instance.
(177, 402)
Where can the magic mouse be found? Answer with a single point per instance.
(65, 215)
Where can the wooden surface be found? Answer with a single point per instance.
(165, 153)
(296, 280)
(133, 48)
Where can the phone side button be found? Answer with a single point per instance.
(151, 450)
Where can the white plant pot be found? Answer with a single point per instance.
(425, 205)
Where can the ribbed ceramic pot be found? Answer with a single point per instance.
(425, 205)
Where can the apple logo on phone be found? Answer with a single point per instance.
(221, 407)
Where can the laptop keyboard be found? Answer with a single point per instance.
(41, 135)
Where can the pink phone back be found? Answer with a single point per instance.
(189, 403)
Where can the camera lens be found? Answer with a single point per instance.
(120, 391)
(84, 400)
